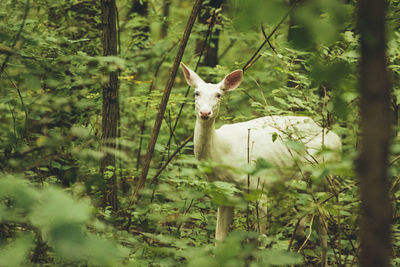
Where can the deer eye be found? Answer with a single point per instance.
(218, 95)
(197, 93)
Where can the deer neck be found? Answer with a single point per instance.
(204, 139)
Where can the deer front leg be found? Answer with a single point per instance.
(224, 220)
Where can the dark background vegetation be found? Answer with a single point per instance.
(80, 85)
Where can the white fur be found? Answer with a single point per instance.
(229, 144)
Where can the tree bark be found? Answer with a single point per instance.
(164, 26)
(376, 117)
(206, 16)
(110, 109)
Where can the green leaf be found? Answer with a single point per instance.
(16, 253)
(274, 137)
(31, 82)
(279, 258)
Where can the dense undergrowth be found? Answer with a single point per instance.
(51, 192)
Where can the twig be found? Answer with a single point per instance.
(164, 101)
(154, 180)
(356, 256)
(14, 120)
(184, 212)
(255, 56)
(155, 177)
(334, 195)
(168, 122)
(190, 205)
(22, 102)
(257, 207)
(248, 95)
(21, 27)
(257, 204)
(248, 179)
(339, 242)
(393, 161)
(265, 36)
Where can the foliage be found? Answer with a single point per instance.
(51, 191)
(52, 217)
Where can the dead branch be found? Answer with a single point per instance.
(265, 36)
(256, 55)
(154, 181)
(22, 102)
(164, 101)
(155, 177)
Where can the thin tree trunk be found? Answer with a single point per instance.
(164, 101)
(164, 26)
(110, 109)
(376, 122)
(206, 16)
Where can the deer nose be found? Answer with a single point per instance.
(205, 114)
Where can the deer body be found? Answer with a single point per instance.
(228, 145)
(238, 144)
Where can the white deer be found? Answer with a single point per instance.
(264, 138)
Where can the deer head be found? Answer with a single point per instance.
(208, 95)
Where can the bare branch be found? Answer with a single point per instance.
(22, 102)
(255, 56)
(164, 101)
(269, 43)
(155, 177)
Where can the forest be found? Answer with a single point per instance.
(97, 145)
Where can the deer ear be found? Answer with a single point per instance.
(191, 77)
(231, 81)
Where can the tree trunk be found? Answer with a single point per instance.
(206, 16)
(110, 109)
(376, 121)
(164, 26)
